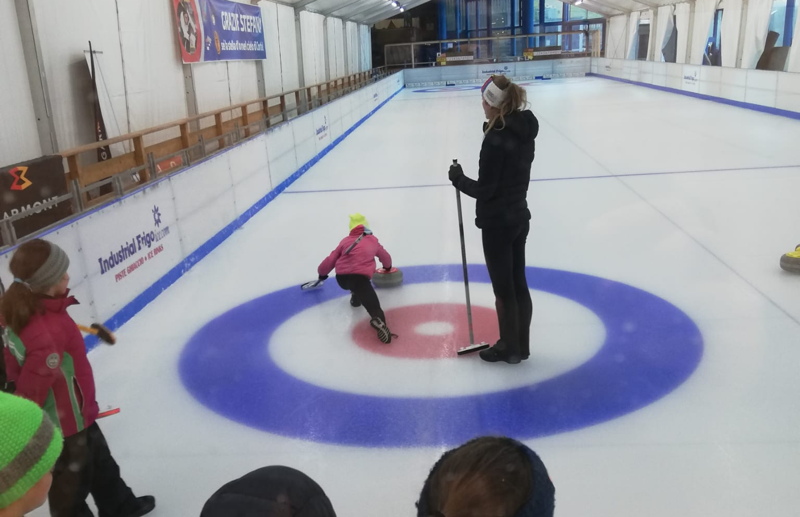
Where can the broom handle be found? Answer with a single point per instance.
(464, 263)
(88, 330)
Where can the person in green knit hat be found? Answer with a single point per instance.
(29, 448)
(49, 366)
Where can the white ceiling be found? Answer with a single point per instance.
(371, 11)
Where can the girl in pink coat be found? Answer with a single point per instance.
(354, 261)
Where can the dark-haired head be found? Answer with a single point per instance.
(40, 269)
(488, 477)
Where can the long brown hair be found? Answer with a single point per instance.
(516, 99)
(488, 476)
(20, 302)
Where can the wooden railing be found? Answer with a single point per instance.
(159, 150)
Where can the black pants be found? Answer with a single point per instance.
(362, 288)
(504, 250)
(86, 467)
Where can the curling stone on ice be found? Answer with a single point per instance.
(387, 278)
(791, 261)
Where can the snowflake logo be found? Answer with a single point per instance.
(156, 216)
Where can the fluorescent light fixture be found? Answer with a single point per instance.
(402, 9)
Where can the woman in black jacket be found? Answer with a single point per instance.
(502, 214)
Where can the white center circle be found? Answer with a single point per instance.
(435, 328)
(316, 346)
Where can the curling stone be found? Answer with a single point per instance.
(791, 261)
(391, 278)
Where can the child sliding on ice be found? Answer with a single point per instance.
(354, 261)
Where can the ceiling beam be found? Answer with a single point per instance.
(357, 8)
(648, 3)
(385, 7)
(381, 15)
(612, 10)
(410, 5)
(302, 4)
(331, 12)
(607, 5)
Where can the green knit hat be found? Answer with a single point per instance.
(29, 447)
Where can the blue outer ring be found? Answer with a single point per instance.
(651, 347)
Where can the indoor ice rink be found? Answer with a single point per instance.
(665, 342)
(697, 229)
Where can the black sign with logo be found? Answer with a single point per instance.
(26, 186)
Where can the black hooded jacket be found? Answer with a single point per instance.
(504, 172)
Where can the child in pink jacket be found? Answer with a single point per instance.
(354, 261)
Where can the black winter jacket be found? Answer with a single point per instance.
(504, 172)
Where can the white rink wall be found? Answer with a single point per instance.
(523, 70)
(124, 254)
(759, 88)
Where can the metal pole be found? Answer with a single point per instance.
(464, 264)
(472, 346)
(77, 197)
(8, 233)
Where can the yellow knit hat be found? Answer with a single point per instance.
(356, 219)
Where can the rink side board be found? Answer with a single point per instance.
(123, 255)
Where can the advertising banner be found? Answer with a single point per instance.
(129, 245)
(25, 186)
(219, 30)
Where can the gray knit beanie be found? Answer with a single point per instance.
(51, 271)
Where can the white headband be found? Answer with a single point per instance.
(493, 95)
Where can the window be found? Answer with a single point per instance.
(574, 42)
(713, 53)
(782, 20)
(643, 40)
(553, 11)
(577, 13)
(670, 48)
(552, 41)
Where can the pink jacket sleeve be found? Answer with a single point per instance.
(384, 257)
(327, 265)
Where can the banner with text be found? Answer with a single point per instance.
(24, 187)
(219, 30)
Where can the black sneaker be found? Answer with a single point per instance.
(142, 506)
(500, 352)
(384, 334)
(354, 301)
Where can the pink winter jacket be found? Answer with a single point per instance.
(360, 260)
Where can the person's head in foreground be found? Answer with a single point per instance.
(274, 491)
(488, 477)
(29, 446)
